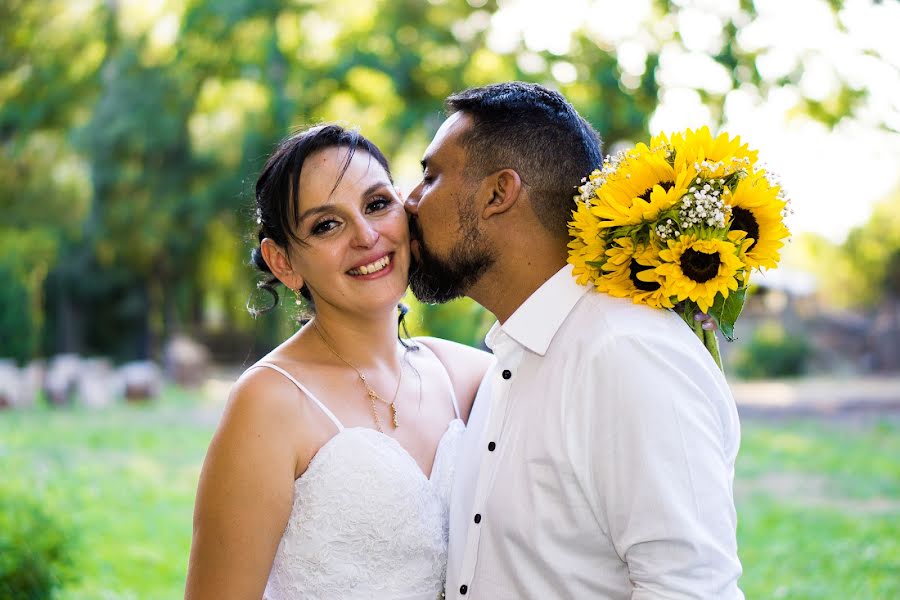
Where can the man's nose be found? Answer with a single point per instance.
(412, 201)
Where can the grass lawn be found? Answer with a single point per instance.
(818, 500)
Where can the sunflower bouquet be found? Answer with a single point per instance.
(680, 224)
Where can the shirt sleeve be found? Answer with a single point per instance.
(661, 466)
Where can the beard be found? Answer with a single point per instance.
(435, 280)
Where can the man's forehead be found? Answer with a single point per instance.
(448, 134)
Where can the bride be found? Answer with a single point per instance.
(329, 473)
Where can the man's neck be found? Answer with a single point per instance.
(514, 278)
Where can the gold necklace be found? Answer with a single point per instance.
(373, 395)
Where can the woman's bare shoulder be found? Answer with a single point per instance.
(263, 393)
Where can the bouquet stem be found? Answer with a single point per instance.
(711, 341)
(707, 338)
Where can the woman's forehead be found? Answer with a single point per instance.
(327, 177)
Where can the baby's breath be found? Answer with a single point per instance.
(667, 230)
(703, 205)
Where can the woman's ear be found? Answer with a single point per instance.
(504, 189)
(280, 264)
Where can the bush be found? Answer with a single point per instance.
(772, 352)
(35, 550)
(462, 320)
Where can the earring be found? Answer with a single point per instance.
(299, 300)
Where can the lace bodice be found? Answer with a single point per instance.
(366, 521)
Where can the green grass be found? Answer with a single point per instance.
(819, 509)
(124, 480)
(818, 501)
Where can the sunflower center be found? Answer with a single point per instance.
(700, 266)
(743, 220)
(644, 286)
(666, 185)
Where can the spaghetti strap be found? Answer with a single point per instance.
(306, 391)
(452, 392)
(449, 382)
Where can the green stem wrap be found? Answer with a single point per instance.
(708, 338)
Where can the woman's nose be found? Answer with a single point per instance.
(365, 235)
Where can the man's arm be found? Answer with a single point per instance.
(662, 467)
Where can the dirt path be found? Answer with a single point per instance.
(829, 397)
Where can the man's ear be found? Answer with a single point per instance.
(504, 189)
(280, 264)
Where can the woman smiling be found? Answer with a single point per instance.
(330, 471)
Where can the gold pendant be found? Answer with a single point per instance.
(394, 416)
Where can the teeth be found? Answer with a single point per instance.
(373, 267)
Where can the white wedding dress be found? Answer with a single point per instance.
(366, 521)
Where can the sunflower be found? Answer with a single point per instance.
(718, 156)
(580, 257)
(586, 244)
(698, 269)
(647, 187)
(757, 210)
(630, 273)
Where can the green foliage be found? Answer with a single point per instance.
(728, 310)
(25, 257)
(133, 131)
(772, 352)
(462, 321)
(864, 270)
(17, 327)
(36, 550)
(872, 249)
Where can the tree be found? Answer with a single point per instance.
(133, 131)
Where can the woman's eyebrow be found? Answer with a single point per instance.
(314, 211)
(373, 187)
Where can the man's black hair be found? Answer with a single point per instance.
(536, 132)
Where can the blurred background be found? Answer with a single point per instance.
(131, 134)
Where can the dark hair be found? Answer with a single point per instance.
(277, 195)
(536, 132)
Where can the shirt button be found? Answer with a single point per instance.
(507, 374)
(463, 589)
(477, 519)
(491, 446)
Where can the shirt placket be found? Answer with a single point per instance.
(509, 355)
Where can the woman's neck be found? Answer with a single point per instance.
(368, 342)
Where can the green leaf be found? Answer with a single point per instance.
(727, 310)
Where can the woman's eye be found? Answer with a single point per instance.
(324, 226)
(379, 203)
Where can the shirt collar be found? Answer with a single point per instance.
(537, 320)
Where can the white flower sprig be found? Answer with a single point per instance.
(704, 204)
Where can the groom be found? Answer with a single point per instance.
(599, 456)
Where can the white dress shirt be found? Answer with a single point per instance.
(598, 460)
